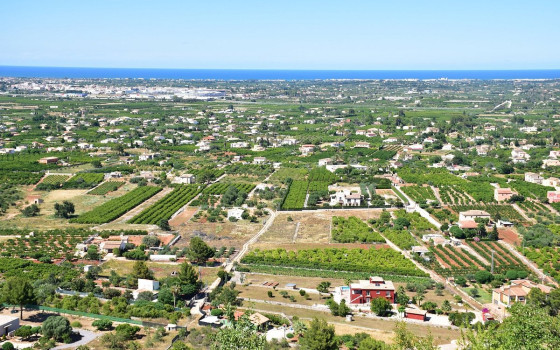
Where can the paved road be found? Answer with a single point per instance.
(87, 336)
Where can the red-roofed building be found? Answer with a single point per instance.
(366, 290)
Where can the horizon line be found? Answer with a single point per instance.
(297, 69)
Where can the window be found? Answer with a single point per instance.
(357, 291)
(367, 293)
(388, 294)
(378, 292)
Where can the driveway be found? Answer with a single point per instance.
(87, 336)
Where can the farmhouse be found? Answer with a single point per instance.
(48, 160)
(259, 160)
(473, 215)
(366, 290)
(148, 156)
(184, 179)
(516, 292)
(361, 145)
(534, 178)
(503, 194)
(306, 149)
(519, 156)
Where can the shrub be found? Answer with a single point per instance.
(102, 325)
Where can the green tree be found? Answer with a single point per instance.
(373, 344)
(187, 273)
(164, 225)
(18, 291)
(402, 298)
(241, 335)
(92, 253)
(57, 328)
(8, 346)
(319, 336)
(102, 325)
(127, 331)
(141, 270)
(380, 306)
(199, 251)
(527, 328)
(446, 306)
(64, 210)
(323, 287)
(30, 211)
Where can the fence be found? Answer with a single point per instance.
(90, 315)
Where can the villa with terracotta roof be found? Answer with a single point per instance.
(517, 292)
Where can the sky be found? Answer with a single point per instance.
(284, 34)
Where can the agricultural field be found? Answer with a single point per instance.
(117, 206)
(496, 211)
(373, 261)
(167, 206)
(19, 177)
(417, 222)
(54, 179)
(455, 261)
(282, 174)
(419, 193)
(321, 174)
(295, 199)
(503, 259)
(546, 258)
(401, 238)
(352, 230)
(529, 189)
(106, 187)
(44, 244)
(84, 180)
(221, 188)
(453, 195)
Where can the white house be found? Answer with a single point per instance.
(325, 161)
(235, 213)
(519, 156)
(534, 178)
(346, 198)
(259, 160)
(184, 179)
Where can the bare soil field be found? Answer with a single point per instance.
(230, 234)
(314, 226)
(509, 236)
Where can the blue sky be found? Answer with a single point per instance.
(285, 34)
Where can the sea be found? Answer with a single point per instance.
(271, 74)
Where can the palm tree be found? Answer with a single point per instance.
(175, 290)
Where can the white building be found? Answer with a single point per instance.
(346, 198)
(184, 179)
(235, 213)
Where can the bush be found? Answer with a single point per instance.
(56, 327)
(8, 346)
(127, 331)
(217, 312)
(483, 277)
(102, 325)
(76, 324)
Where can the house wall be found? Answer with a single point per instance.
(363, 297)
(415, 316)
